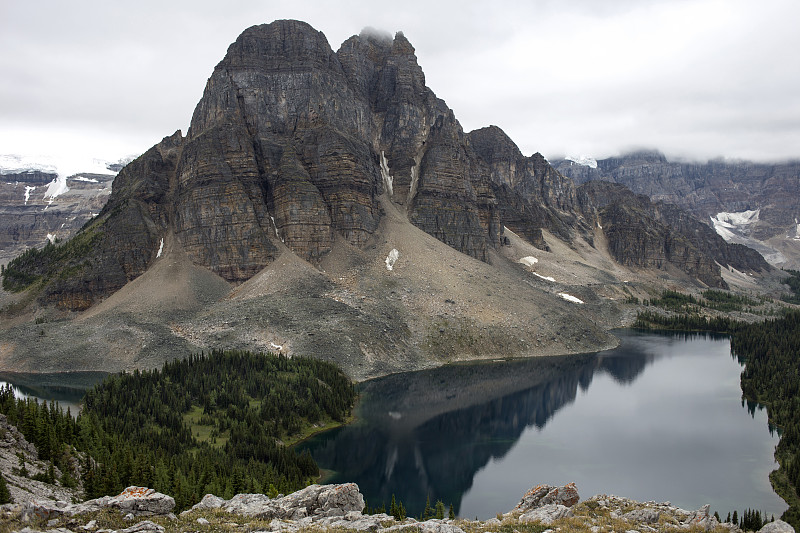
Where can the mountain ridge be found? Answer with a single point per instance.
(298, 155)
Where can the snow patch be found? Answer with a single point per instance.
(56, 188)
(276, 229)
(583, 160)
(547, 278)
(387, 179)
(28, 190)
(84, 178)
(276, 346)
(570, 298)
(160, 248)
(731, 226)
(528, 261)
(51, 238)
(391, 259)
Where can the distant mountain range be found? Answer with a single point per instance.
(328, 203)
(756, 204)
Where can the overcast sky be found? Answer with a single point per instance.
(695, 79)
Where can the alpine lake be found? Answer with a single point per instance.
(660, 418)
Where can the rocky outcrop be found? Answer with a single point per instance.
(339, 507)
(19, 463)
(531, 194)
(445, 204)
(314, 501)
(546, 504)
(133, 502)
(541, 495)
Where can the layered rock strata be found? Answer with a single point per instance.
(295, 146)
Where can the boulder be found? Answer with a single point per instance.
(546, 514)
(322, 500)
(145, 526)
(247, 504)
(778, 526)
(541, 495)
(646, 516)
(438, 526)
(209, 501)
(138, 501)
(315, 501)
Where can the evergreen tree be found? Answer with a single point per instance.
(452, 513)
(735, 518)
(5, 495)
(440, 509)
(427, 514)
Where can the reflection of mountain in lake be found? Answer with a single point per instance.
(427, 433)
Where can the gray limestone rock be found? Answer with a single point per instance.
(546, 514)
(647, 516)
(778, 526)
(541, 495)
(145, 526)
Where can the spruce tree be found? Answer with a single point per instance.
(427, 514)
(452, 513)
(440, 509)
(5, 495)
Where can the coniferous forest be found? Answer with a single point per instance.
(771, 377)
(211, 423)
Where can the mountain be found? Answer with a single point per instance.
(756, 204)
(45, 199)
(328, 203)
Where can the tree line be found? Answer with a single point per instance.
(211, 423)
(770, 351)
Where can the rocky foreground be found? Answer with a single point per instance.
(542, 509)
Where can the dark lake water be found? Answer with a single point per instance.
(66, 388)
(659, 418)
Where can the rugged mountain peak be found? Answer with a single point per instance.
(283, 44)
(293, 146)
(492, 144)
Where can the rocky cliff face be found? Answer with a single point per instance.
(712, 188)
(644, 234)
(296, 147)
(531, 194)
(291, 144)
(28, 215)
